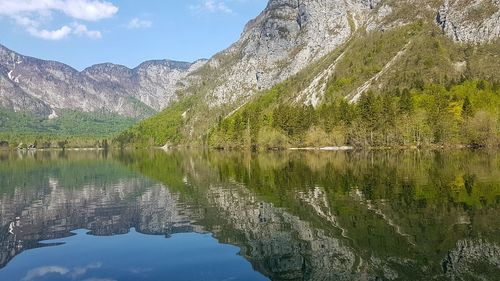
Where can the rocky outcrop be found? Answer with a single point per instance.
(45, 87)
(287, 36)
(476, 21)
(13, 97)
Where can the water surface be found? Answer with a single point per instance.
(236, 216)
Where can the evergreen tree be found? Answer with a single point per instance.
(467, 108)
(406, 102)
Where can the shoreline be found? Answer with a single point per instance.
(344, 148)
(326, 148)
(56, 149)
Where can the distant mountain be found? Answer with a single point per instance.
(46, 88)
(320, 50)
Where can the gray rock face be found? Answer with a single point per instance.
(13, 97)
(281, 245)
(470, 21)
(44, 87)
(281, 41)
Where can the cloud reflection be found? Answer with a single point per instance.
(63, 271)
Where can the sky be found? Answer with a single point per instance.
(81, 33)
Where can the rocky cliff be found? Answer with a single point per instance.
(53, 211)
(287, 36)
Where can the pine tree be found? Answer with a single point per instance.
(406, 102)
(467, 108)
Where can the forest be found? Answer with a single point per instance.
(460, 114)
(71, 129)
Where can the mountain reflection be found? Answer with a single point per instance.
(295, 216)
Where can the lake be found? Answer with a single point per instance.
(190, 215)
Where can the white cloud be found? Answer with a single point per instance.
(90, 10)
(27, 13)
(136, 23)
(211, 6)
(82, 30)
(33, 28)
(57, 34)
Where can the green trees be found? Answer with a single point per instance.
(77, 129)
(462, 114)
(294, 120)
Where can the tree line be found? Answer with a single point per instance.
(462, 114)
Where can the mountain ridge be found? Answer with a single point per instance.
(143, 90)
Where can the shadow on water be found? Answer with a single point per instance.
(407, 215)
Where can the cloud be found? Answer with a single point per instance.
(211, 6)
(82, 30)
(33, 28)
(31, 14)
(57, 34)
(136, 23)
(79, 271)
(89, 10)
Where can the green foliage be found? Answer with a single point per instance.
(73, 169)
(70, 129)
(69, 123)
(272, 139)
(160, 129)
(464, 114)
(365, 56)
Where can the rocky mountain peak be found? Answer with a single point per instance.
(167, 64)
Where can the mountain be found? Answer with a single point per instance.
(48, 87)
(294, 54)
(319, 52)
(39, 97)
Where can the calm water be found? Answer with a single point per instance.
(100, 216)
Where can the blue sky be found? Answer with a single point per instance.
(85, 32)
